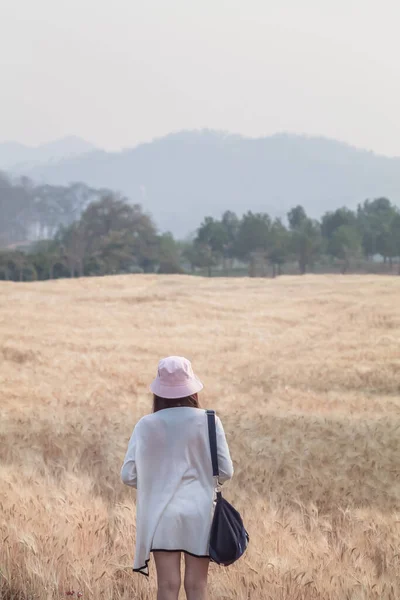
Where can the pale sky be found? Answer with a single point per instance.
(120, 72)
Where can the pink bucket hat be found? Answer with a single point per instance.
(175, 379)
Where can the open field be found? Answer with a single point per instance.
(304, 372)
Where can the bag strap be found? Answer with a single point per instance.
(212, 435)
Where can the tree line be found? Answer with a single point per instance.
(339, 238)
(30, 212)
(113, 236)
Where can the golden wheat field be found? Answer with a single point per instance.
(305, 374)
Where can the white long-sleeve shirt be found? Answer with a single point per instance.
(169, 462)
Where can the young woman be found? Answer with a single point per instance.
(169, 462)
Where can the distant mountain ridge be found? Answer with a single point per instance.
(182, 177)
(15, 156)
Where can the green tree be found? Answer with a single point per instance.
(345, 244)
(169, 254)
(112, 255)
(45, 255)
(278, 246)
(375, 220)
(6, 265)
(73, 243)
(305, 238)
(188, 253)
(253, 239)
(210, 243)
(112, 236)
(205, 257)
(16, 266)
(231, 225)
(331, 221)
(341, 235)
(395, 237)
(296, 217)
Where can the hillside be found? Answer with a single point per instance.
(304, 373)
(21, 159)
(183, 177)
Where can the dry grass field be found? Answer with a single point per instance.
(304, 372)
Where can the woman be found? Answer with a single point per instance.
(169, 462)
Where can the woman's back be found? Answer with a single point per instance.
(174, 445)
(169, 462)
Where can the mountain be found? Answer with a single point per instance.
(183, 177)
(19, 158)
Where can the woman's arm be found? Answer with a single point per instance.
(128, 471)
(224, 458)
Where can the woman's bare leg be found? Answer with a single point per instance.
(168, 565)
(196, 573)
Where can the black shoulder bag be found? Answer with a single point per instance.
(229, 538)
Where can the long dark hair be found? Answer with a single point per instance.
(161, 403)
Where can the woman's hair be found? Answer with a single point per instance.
(161, 403)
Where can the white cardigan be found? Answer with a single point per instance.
(169, 462)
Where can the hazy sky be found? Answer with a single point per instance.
(118, 72)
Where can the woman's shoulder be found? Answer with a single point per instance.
(143, 422)
(168, 415)
(145, 419)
